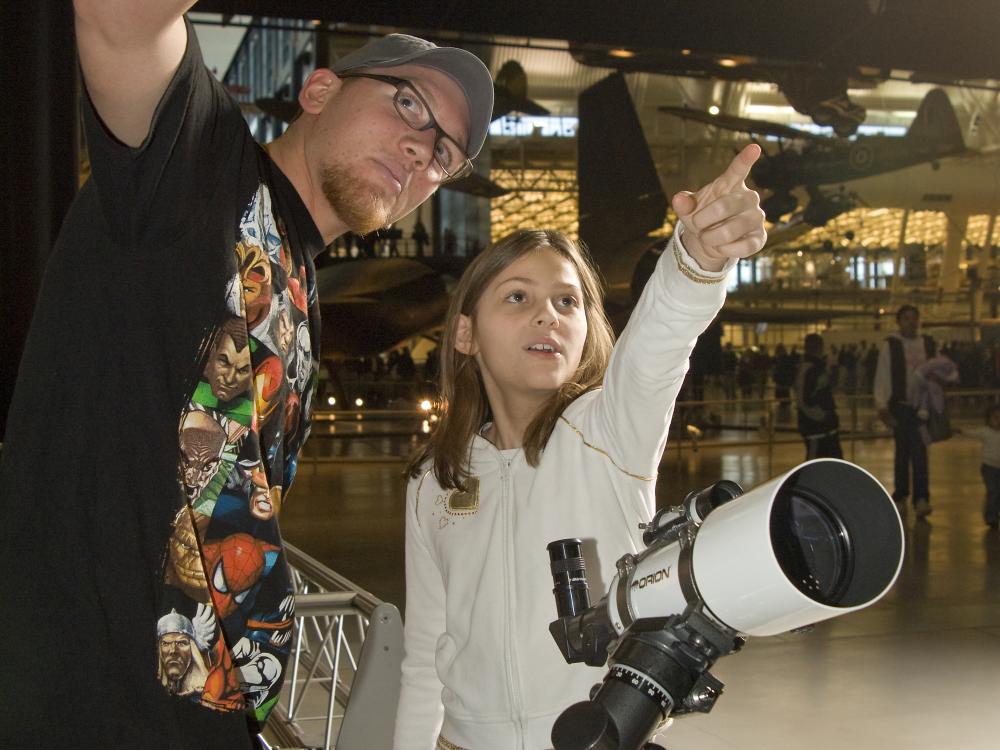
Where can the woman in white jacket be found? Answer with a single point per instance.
(530, 449)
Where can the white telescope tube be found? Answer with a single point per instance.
(820, 541)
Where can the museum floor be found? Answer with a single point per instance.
(920, 670)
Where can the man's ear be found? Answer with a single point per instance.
(465, 341)
(317, 89)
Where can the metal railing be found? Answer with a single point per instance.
(342, 680)
(717, 423)
(771, 421)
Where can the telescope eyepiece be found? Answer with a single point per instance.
(569, 577)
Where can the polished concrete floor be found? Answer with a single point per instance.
(919, 670)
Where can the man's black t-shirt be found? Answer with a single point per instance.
(162, 400)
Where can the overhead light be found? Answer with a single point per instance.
(727, 62)
(713, 110)
(621, 53)
(685, 52)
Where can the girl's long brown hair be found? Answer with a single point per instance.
(463, 406)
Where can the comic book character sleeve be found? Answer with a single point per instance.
(238, 439)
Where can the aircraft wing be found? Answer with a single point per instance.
(787, 231)
(742, 124)
(476, 184)
(374, 304)
(367, 277)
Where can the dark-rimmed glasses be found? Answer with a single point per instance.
(413, 110)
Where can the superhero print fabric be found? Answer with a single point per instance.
(226, 622)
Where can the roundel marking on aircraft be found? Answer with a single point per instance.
(861, 157)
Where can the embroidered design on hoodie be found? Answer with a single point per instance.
(459, 502)
(464, 502)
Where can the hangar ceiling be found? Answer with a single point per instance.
(947, 41)
(891, 52)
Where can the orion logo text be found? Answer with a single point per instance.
(661, 575)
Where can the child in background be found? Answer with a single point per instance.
(989, 435)
(530, 449)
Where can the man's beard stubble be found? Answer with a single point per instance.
(353, 200)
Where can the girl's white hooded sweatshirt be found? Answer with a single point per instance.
(481, 670)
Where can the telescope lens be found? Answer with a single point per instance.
(812, 545)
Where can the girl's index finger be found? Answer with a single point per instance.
(739, 168)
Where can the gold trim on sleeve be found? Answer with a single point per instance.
(443, 744)
(416, 503)
(604, 453)
(690, 272)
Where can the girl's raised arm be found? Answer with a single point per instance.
(719, 224)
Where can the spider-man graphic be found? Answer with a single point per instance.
(235, 568)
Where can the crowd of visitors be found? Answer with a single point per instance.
(758, 372)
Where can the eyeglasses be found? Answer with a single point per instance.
(413, 110)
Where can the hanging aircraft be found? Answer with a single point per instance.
(810, 161)
(622, 203)
(812, 50)
(810, 87)
(510, 93)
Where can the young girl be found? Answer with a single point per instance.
(989, 435)
(530, 450)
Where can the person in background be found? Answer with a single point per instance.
(817, 412)
(989, 436)
(900, 356)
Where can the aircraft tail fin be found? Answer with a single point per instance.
(936, 122)
(620, 193)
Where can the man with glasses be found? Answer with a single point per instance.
(197, 234)
(416, 113)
